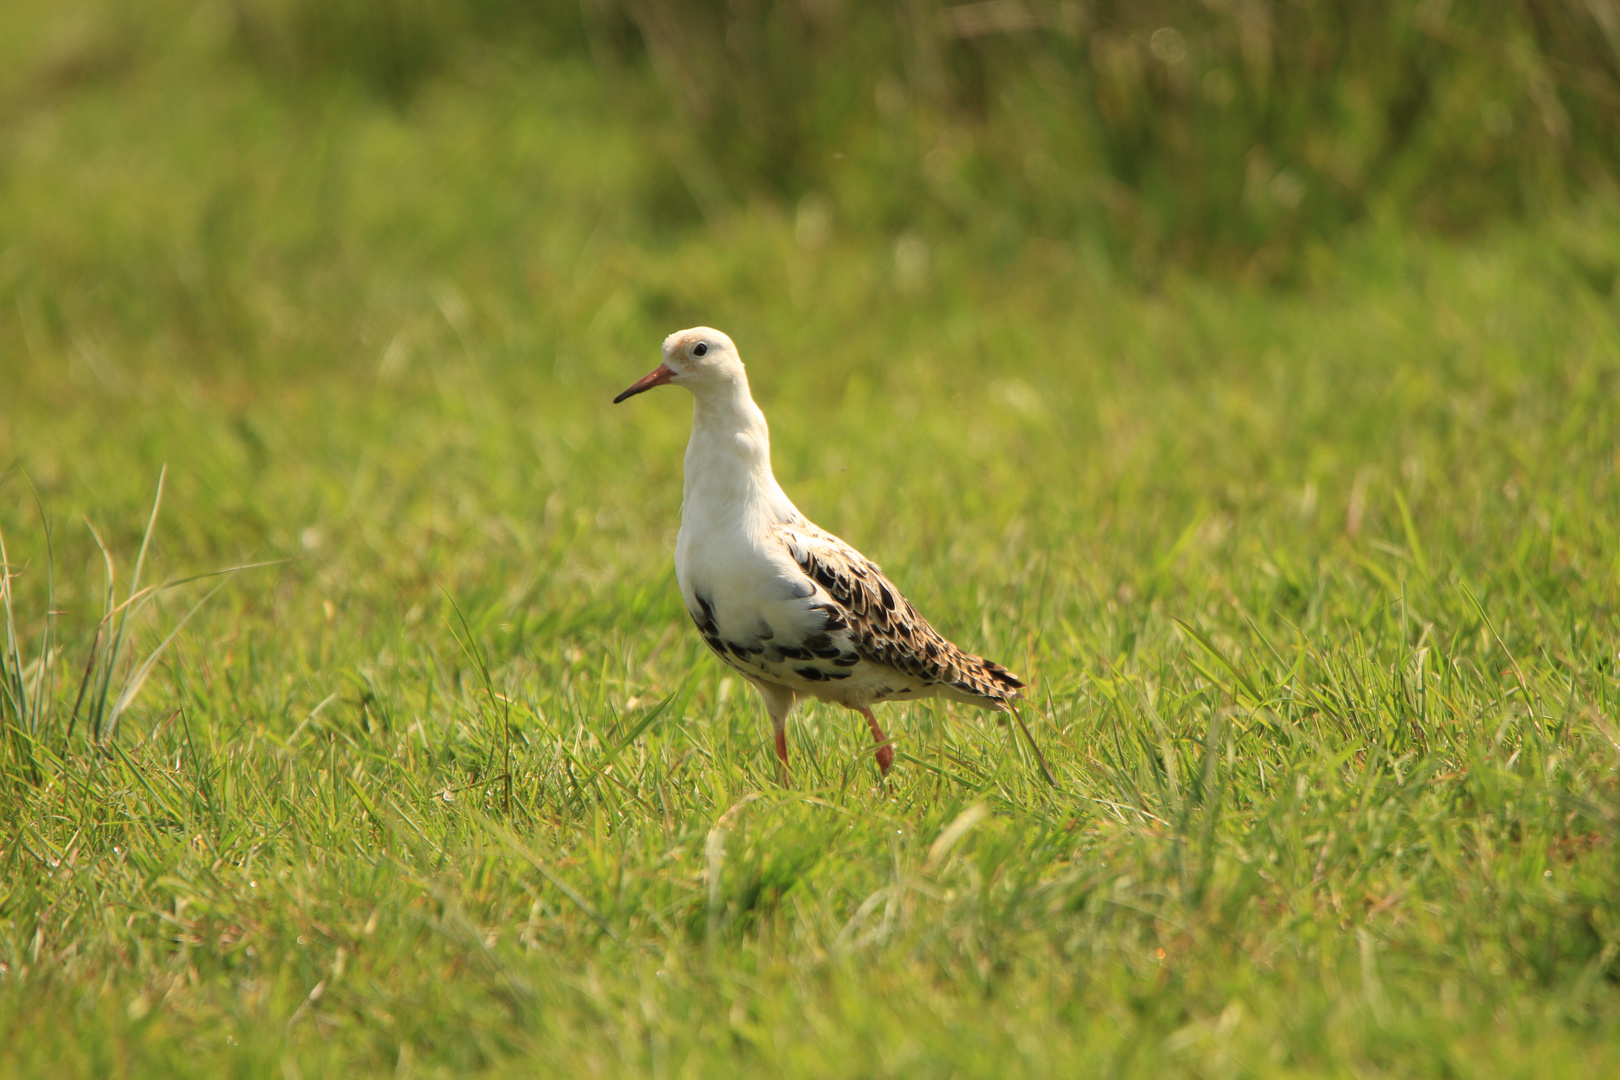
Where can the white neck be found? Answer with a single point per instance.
(728, 461)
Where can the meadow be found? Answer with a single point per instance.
(352, 724)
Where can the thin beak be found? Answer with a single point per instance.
(658, 376)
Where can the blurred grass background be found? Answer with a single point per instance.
(1223, 134)
(1243, 372)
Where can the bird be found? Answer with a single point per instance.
(796, 611)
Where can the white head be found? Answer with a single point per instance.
(700, 359)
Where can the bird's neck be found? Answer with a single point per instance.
(728, 461)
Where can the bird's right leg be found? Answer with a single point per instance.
(778, 703)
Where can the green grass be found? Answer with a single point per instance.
(1317, 591)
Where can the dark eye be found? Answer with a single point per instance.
(700, 349)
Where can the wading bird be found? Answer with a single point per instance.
(792, 608)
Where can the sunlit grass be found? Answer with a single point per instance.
(1316, 591)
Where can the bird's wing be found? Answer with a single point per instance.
(880, 624)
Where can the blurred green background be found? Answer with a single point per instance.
(1241, 139)
(1225, 134)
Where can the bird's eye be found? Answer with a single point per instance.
(700, 349)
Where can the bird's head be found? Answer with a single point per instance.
(698, 359)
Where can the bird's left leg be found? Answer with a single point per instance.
(885, 751)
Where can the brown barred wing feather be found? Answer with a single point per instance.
(882, 626)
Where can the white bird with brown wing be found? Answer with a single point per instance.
(793, 608)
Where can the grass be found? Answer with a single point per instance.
(1316, 588)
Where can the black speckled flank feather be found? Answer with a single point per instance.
(880, 626)
(812, 657)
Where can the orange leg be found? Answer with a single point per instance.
(778, 703)
(885, 751)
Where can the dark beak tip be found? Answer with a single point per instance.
(658, 376)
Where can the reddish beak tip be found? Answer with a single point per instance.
(658, 376)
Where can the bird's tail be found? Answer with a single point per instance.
(984, 683)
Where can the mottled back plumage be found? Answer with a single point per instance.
(883, 628)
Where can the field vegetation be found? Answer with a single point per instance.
(1243, 374)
